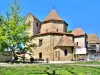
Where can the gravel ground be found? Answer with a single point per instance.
(50, 62)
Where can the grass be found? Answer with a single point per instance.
(48, 70)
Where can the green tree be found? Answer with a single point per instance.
(13, 29)
(3, 38)
(70, 31)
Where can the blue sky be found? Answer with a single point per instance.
(77, 13)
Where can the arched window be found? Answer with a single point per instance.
(57, 29)
(77, 43)
(46, 30)
(40, 55)
(37, 24)
(65, 52)
(40, 42)
(29, 23)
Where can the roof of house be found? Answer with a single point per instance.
(53, 16)
(34, 17)
(93, 38)
(78, 32)
(65, 41)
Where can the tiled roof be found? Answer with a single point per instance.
(78, 32)
(65, 41)
(93, 38)
(53, 16)
(34, 17)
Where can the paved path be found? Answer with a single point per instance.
(13, 65)
(61, 62)
(92, 65)
(51, 62)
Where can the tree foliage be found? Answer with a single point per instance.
(13, 29)
(3, 38)
(70, 31)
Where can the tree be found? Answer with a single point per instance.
(2, 37)
(70, 31)
(13, 29)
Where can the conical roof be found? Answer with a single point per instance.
(53, 16)
(65, 41)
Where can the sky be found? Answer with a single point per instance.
(77, 13)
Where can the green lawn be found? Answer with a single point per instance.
(48, 69)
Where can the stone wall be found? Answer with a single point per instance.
(81, 41)
(53, 27)
(48, 47)
(62, 56)
(4, 58)
(44, 48)
(33, 27)
(36, 27)
(29, 21)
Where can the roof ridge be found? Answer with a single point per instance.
(34, 16)
(78, 32)
(53, 15)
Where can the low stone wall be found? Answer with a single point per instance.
(4, 58)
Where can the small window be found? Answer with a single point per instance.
(57, 29)
(40, 55)
(40, 42)
(77, 43)
(46, 30)
(29, 23)
(65, 52)
(37, 24)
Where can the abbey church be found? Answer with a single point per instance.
(53, 41)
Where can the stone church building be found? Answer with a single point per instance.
(52, 39)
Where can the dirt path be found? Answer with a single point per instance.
(92, 65)
(34, 64)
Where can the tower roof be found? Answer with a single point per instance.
(53, 16)
(78, 32)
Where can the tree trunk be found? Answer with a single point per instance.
(13, 55)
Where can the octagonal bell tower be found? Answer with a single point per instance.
(53, 23)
